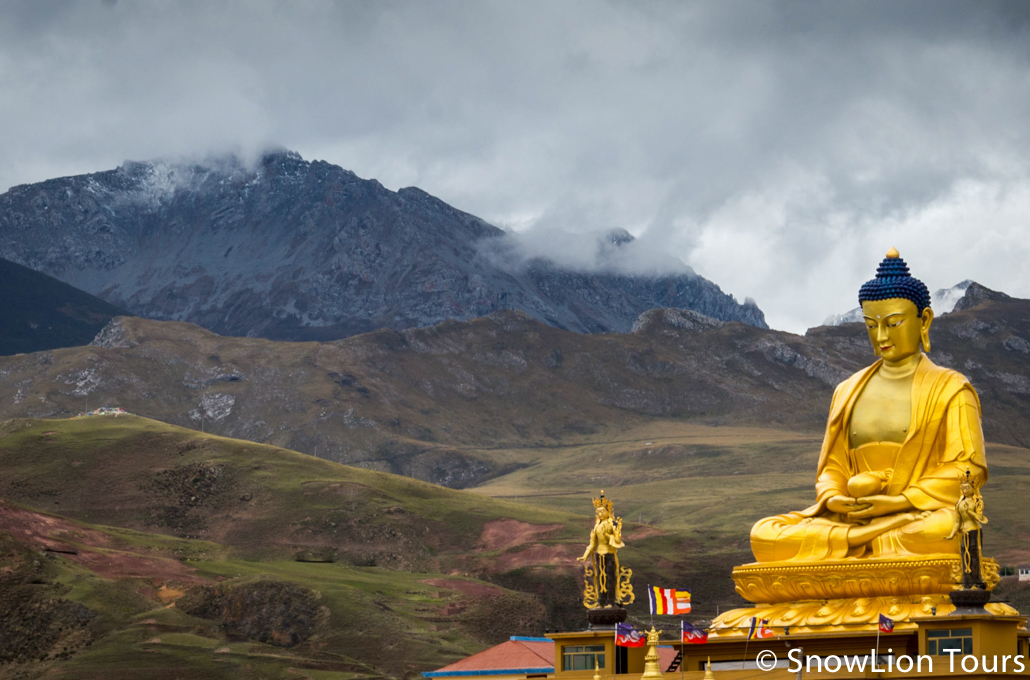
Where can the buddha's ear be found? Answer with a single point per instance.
(925, 319)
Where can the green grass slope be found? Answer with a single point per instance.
(94, 604)
(714, 483)
(397, 575)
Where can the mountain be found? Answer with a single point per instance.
(39, 312)
(461, 403)
(299, 250)
(942, 301)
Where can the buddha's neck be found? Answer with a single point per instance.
(903, 368)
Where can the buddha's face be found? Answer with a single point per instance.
(601, 514)
(895, 329)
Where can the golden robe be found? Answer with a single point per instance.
(944, 440)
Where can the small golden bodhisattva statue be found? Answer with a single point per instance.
(606, 583)
(969, 517)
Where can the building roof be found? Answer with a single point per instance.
(518, 656)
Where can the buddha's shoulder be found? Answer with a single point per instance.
(928, 372)
(939, 373)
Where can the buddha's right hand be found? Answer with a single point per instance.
(842, 505)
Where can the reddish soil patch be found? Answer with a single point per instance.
(507, 533)
(64, 536)
(563, 555)
(47, 531)
(464, 587)
(117, 565)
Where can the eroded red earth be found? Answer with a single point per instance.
(508, 533)
(90, 548)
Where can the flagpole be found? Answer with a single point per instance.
(877, 645)
(683, 659)
(746, 642)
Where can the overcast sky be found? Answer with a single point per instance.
(778, 148)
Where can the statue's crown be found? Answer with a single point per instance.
(603, 502)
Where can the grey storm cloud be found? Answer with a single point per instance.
(777, 148)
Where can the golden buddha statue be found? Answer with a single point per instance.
(901, 436)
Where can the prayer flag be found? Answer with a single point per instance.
(628, 636)
(760, 629)
(668, 601)
(692, 635)
(886, 625)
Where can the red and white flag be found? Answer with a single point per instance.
(628, 636)
(692, 635)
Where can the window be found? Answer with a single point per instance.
(582, 657)
(938, 642)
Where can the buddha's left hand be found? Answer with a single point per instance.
(879, 506)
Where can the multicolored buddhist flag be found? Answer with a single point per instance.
(692, 635)
(760, 630)
(628, 636)
(886, 625)
(668, 601)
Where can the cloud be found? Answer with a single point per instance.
(615, 251)
(777, 148)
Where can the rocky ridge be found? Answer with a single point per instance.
(428, 402)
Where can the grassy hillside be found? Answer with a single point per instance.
(99, 608)
(139, 514)
(715, 482)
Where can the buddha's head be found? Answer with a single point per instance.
(896, 310)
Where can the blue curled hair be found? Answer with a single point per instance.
(893, 281)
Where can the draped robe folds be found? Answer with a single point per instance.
(944, 440)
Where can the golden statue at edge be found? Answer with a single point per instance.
(607, 584)
(901, 436)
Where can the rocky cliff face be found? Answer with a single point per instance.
(306, 250)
